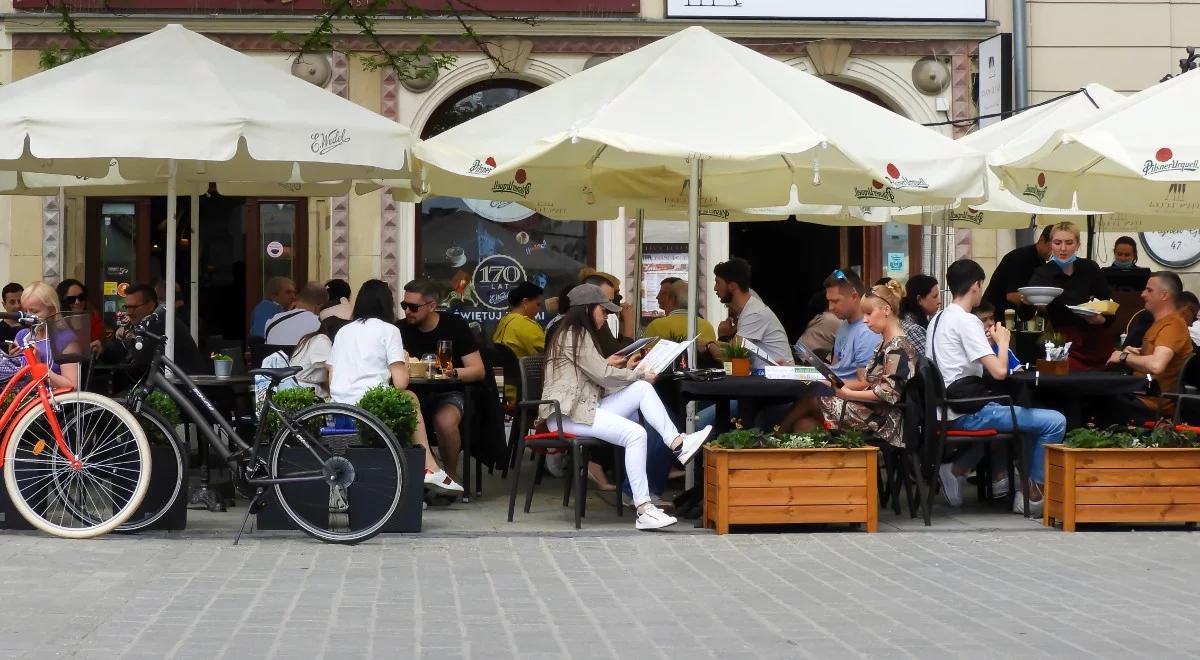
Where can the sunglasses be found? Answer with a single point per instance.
(838, 274)
(414, 307)
(71, 300)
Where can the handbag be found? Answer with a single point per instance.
(967, 387)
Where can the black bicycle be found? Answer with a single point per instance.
(317, 463)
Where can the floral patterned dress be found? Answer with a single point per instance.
(887, 374)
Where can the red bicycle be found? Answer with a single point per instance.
(76, 464)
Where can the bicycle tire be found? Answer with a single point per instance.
(28, 475)
(179, 456)
(381, 485)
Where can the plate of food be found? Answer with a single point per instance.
(1040, 295)
(1095, 308)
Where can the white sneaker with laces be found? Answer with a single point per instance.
(1035, 508)
(654, 518)
(691, 444)
(441, 482)
(952, 485)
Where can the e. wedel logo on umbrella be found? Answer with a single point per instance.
(323, 143)
(1164, 161)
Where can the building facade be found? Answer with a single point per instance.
(919, 62)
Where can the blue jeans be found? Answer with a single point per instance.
(1047, 425)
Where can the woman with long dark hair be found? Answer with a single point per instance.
(368, 351)
(922, 299)
(577, 376)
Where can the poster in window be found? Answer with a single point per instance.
(660, 261)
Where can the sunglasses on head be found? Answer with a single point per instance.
(838, 274)
(413, 307)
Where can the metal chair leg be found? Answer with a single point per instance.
(619, 477)
(580, 485)
(539, 465)
(516, 478)
(569, 478)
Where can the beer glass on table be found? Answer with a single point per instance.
(445, 356)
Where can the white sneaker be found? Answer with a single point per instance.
(1000, 488)
(691, 444)
(952, 485)
(654, 518)
(441, 482)
(1035, 508)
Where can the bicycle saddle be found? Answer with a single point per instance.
(276, 375)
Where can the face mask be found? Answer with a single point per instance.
(1063, 263)
(1122, 265)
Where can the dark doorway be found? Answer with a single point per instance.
(789, 261)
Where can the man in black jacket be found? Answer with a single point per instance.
(1014, 272)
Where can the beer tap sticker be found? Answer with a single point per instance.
(494, 277)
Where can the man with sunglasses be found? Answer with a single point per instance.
(421, 330)
(854, 344)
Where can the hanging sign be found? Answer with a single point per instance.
(274, 249)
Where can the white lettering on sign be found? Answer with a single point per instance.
(274, 249)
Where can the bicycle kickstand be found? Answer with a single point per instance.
(252, 507)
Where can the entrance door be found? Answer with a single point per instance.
(244, 242)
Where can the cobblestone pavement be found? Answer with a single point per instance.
(604, 594)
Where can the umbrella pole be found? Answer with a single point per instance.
(694, 173)
(194, 275)
(638, 234)
(172, 229)
(1091, 236)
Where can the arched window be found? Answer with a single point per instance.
(477, 249)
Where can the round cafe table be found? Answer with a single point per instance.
(1072, 389)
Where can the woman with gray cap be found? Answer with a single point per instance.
(577, 376)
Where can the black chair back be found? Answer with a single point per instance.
(504, 358)
(532, 377)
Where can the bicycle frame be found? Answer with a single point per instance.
(39, 374)
(205, 419)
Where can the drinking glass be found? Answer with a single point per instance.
(445, 355)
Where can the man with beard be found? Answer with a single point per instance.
(750, 318)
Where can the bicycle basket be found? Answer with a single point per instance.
(69, 337)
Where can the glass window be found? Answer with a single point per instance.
(118, 256)
(278, 221)
(478, 250)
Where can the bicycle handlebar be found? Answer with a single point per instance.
(21, 318)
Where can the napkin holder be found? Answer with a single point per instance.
(1054, 367)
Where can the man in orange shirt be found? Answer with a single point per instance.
(1165, 349)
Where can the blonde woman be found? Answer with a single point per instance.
(1081, 280)
(870, 405)
(40, 300)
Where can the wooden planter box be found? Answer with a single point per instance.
(775, 486)
(1121, 486)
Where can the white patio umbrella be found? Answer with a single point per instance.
(1135, 157)
(176, 107)
(649, 128)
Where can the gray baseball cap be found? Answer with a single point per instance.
(590, 294)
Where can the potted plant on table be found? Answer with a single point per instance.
(1123, 475)
(1056, 351)
(738, 356)
(222, 364)
(823, 476)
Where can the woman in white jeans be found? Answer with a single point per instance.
(577, 375)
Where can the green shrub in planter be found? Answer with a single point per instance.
(816, 439)
(291, 400)
(395, 409)
(165, 407)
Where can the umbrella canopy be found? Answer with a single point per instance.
(623, 133)
(218, 115)
(1134, 157)
(1003, 209)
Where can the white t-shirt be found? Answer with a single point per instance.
(956, 344)
(311, 357)
(288, 328)
(361, 354)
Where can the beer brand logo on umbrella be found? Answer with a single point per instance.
(323, 143)
(1037, 192)
(518, 186)
(877, 191)
(482, 167)
(902, 182)
(973, 216)
(1165, 161)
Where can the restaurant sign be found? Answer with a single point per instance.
(882, 10)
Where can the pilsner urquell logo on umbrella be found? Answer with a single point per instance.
(518, 186)
(899, 182)
(877, 191)
(1037, 192)
(482, 167)
(1164, 161)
